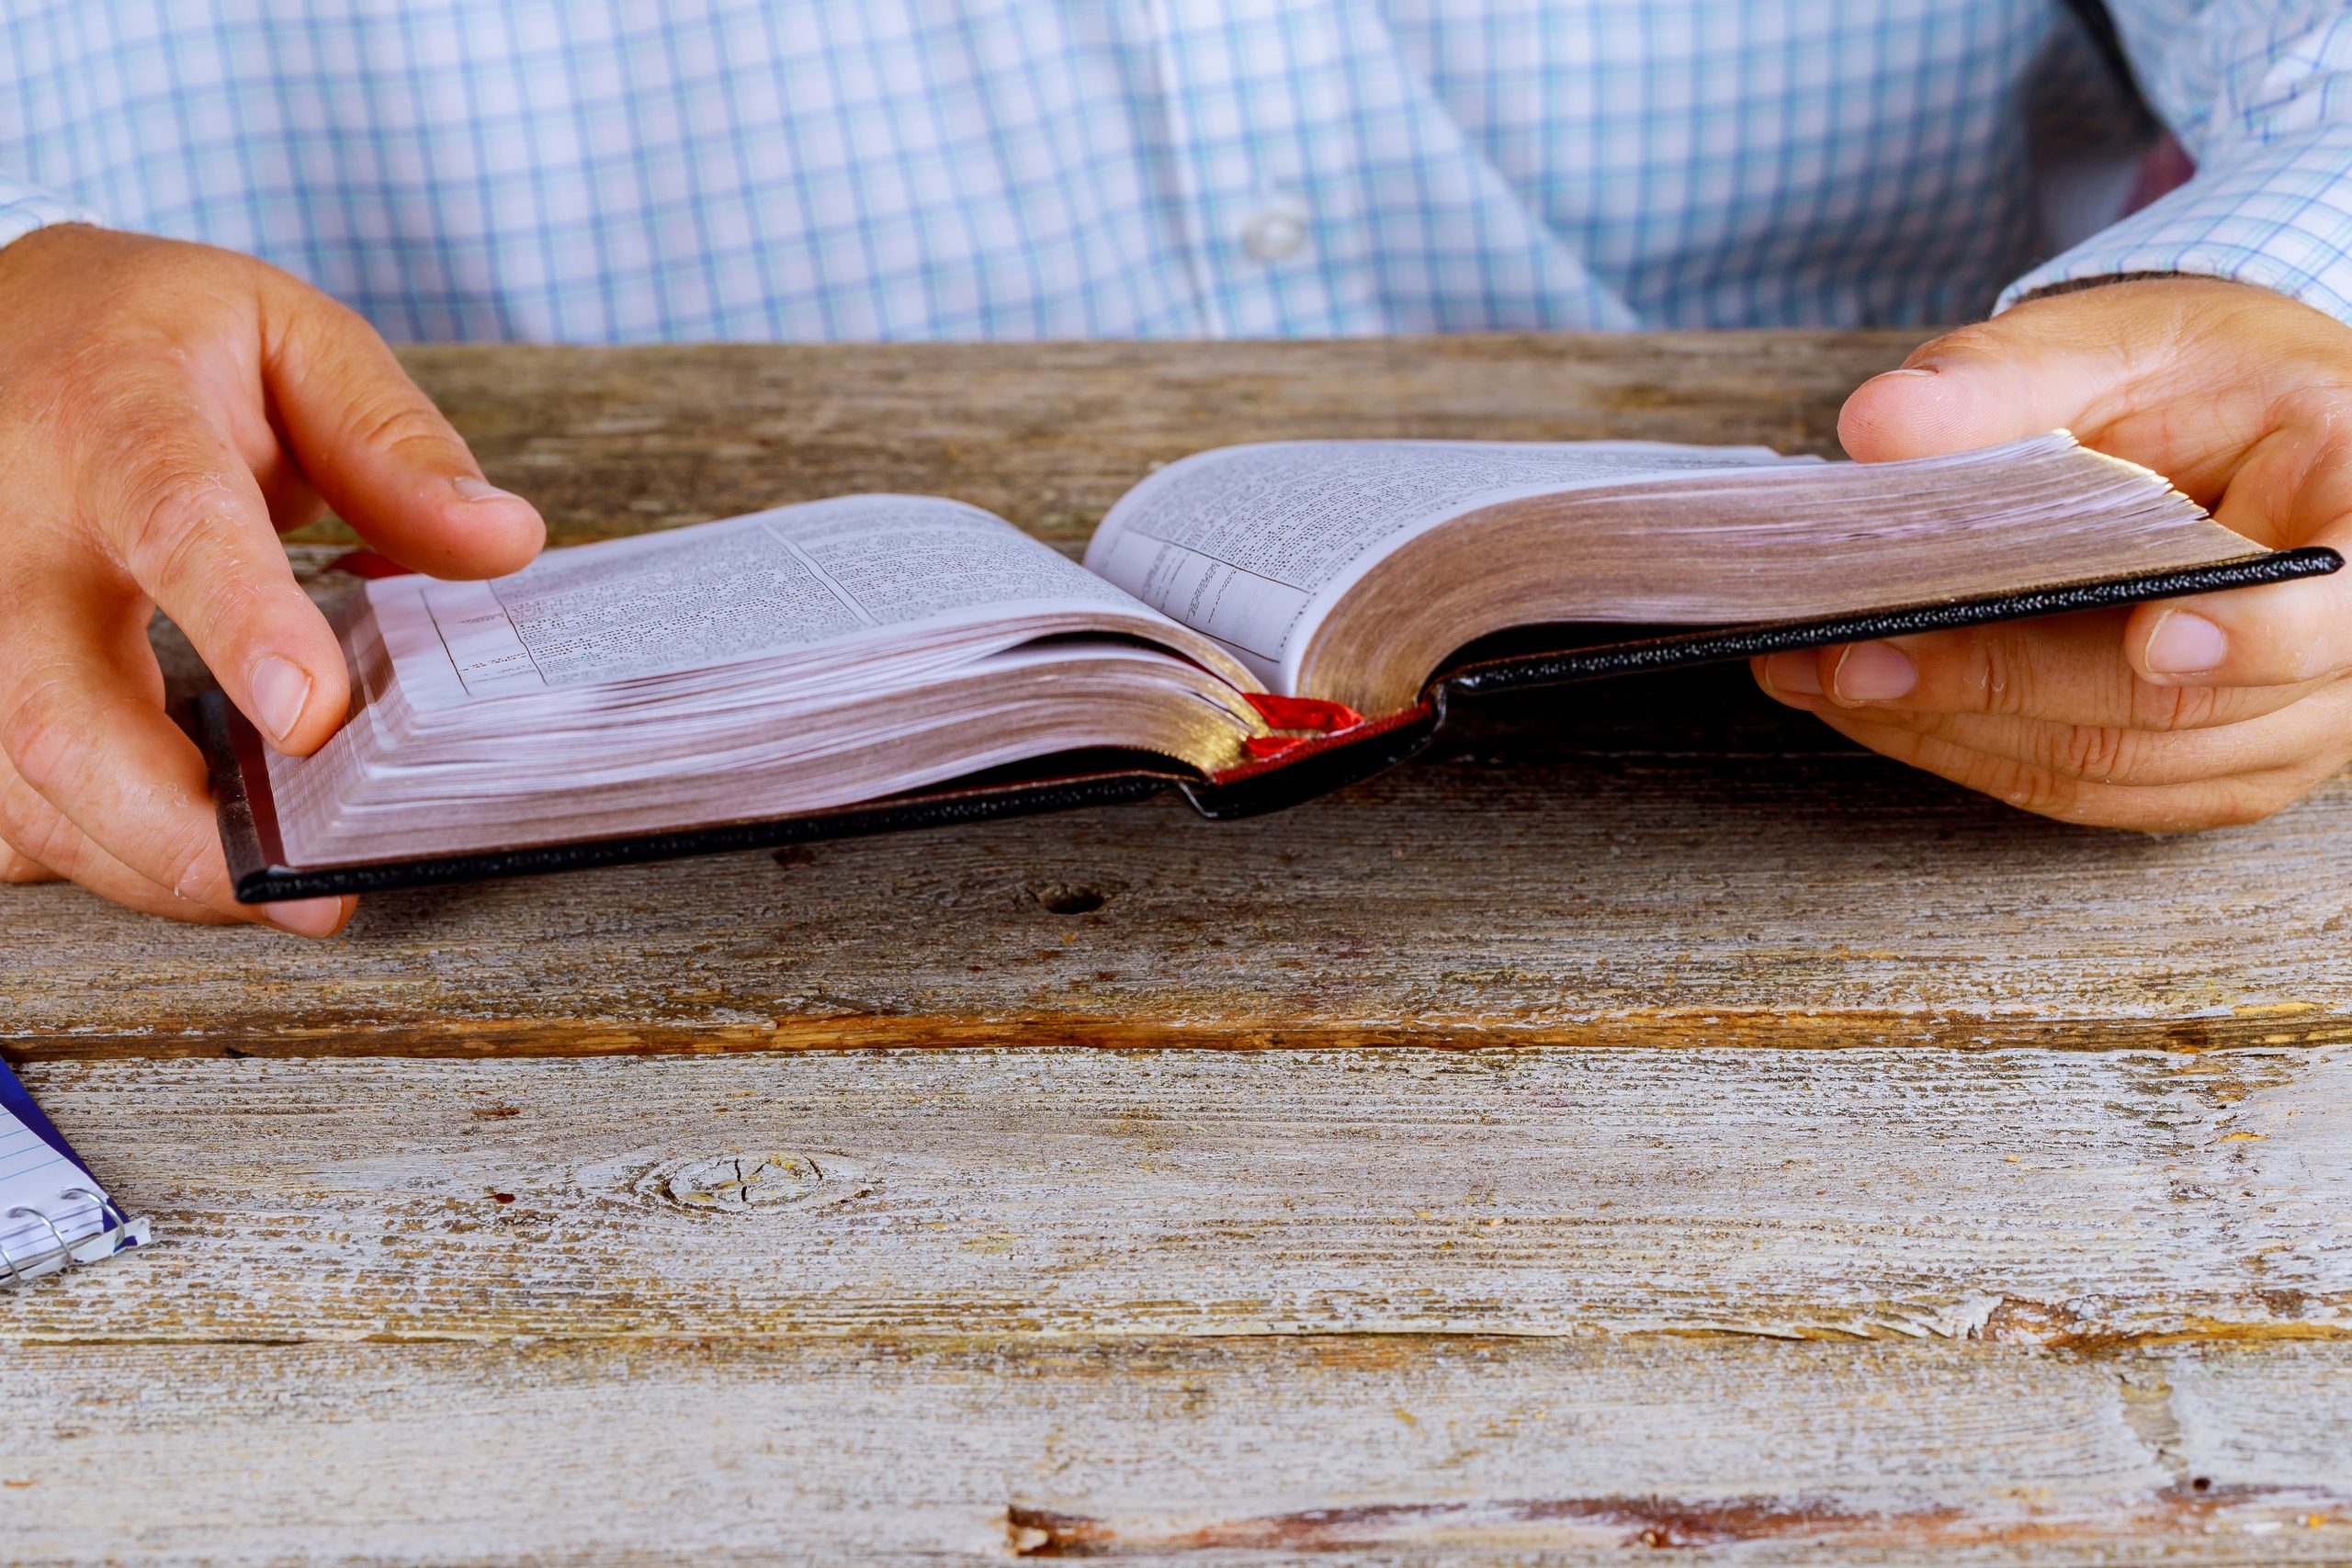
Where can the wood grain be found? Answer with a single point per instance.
(1666, 893)
(1048, 435)
(1667, 861)
(1397, 1450)
(2045, 1256)
(2074, 1199)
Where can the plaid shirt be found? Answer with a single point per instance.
(608, 170)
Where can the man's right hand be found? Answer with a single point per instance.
(166, 411)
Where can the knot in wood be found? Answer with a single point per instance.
(736, 1184)
(1068, 898)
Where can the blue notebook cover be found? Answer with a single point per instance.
(19, 1104)
(115, 1231)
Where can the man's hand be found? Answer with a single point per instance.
(165, 410)
(2186, 713)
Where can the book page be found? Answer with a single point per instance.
(1246, 543)
(800, 578)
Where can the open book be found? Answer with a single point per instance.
(1251, 623)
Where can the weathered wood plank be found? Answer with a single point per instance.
(1241, 1451)
(1048, 435)
(1650, 888)
(2066, 1198)
(1670, 862)
(935, 1325)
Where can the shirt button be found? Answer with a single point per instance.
(1277, 231)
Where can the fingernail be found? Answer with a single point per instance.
(1799, 673)
(473, 489)
(2185, 642)
(1873, 672)
(1912, 370)
(281, 689)
(313, 918)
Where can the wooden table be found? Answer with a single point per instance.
(1648, 1124)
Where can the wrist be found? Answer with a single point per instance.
(2101, 280)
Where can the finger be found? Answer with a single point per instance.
(2062, 669)
(79, 732)
(63, 849)
(2317, 728)
(184, 516)
(2233, 396)
(1970, 397)
(1984, 385)
(2165, 809)
(2107, 364)
(2294, 489)
(378, 451)
(19, 870)
(294, 503)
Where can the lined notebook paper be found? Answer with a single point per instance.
(53, 1213)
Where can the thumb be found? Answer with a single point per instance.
(2300, 482)
(1998, 381)
(376, 448)
(2284, 634)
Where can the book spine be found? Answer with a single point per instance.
(1319, 764)
(1714, 644)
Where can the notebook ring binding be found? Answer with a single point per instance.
(57, 1236)
(105, 1208)
(106, 1211)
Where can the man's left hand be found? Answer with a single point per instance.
(2181, 714)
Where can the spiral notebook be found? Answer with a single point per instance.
(54, 1213)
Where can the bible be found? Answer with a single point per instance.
(1251, 626)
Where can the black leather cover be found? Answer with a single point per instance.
(1535, 657)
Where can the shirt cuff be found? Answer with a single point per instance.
(2277, 215)
(24, 207)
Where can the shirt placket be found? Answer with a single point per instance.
(1259, 154)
